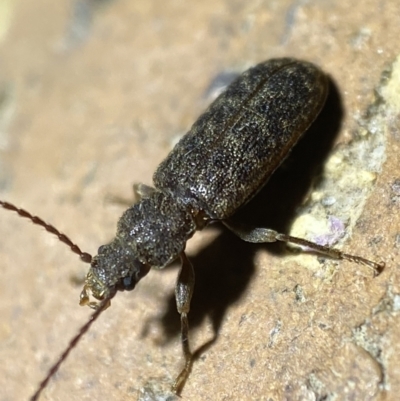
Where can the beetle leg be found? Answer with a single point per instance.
(142, 191)
(183, 295)
(262, 235)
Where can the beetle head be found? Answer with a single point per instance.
(114, 268)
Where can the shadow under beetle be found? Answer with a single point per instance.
(218, 166)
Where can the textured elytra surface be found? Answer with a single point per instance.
(236, 145)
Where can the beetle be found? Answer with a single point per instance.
(217, 167)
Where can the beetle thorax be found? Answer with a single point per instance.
(157, 229)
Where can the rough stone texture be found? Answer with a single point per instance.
(92, 96)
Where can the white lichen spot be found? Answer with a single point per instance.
(351, 171)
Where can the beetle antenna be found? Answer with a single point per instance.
(53, 370)
(85, 257)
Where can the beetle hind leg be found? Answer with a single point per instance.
(263, 235)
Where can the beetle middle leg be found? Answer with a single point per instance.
(140, 191)
(183, 295)
(263, 235)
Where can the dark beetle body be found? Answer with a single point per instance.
(218, 166)
(235, 146)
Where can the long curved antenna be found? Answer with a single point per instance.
(85, 257)
(101, 308)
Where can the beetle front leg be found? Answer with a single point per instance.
(263, 235)
(183, 295)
